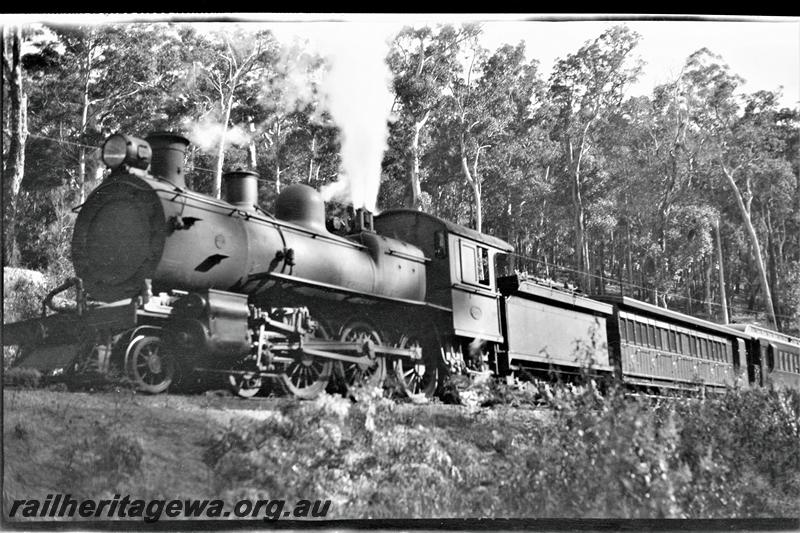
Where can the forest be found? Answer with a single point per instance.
(688, 198)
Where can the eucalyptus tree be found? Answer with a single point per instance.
(227, 61)
(14, 159)
(103, 72)
(424, 62)
(294, 133)
(84, 82)
(485, 116)
(585, 88)
(736, 147)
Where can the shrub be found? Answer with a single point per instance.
(98, 459)
(24, 378)
(23, 291)
(588, 455)
(743, 451)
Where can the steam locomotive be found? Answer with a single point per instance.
(173, 286)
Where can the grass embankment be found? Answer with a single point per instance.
(586, 456)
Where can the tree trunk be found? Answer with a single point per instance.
(751, 232)
(707, 294)
(772, 266)
(277, 157)
(581, 258)
(15, 167)
(313, 155)
(416, 185)
(86, 102)
(252, 148)
(475, 184)
(722, 296)
(221, 151)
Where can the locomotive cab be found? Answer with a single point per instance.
(461, 275)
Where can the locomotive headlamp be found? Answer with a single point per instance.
(122, 149)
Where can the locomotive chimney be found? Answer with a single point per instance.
(169, 150)
(241, 188)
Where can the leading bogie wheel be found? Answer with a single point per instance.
(149, 366)
(370, 373)
(245, 385)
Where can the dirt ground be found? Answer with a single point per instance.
(51, 438)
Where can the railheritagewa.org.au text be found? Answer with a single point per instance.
(65, 506)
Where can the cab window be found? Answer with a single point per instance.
(484, 278)
(469, 264)
(475, 264)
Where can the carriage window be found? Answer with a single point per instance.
(629, 327)
(651, 334)
(672, 343)
(664, 339)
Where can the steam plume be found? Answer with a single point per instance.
(207, 133)
(356, 92)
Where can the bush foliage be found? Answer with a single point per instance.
(589, 455)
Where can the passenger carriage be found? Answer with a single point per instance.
(655, 347)
(774, 357)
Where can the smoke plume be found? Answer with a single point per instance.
(356, 91)
(206, 134)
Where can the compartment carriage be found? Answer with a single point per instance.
(662, 349)
(773, 357)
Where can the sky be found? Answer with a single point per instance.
(765, 51)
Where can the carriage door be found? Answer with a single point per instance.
(763, 350)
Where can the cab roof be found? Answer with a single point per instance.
(451, 227)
